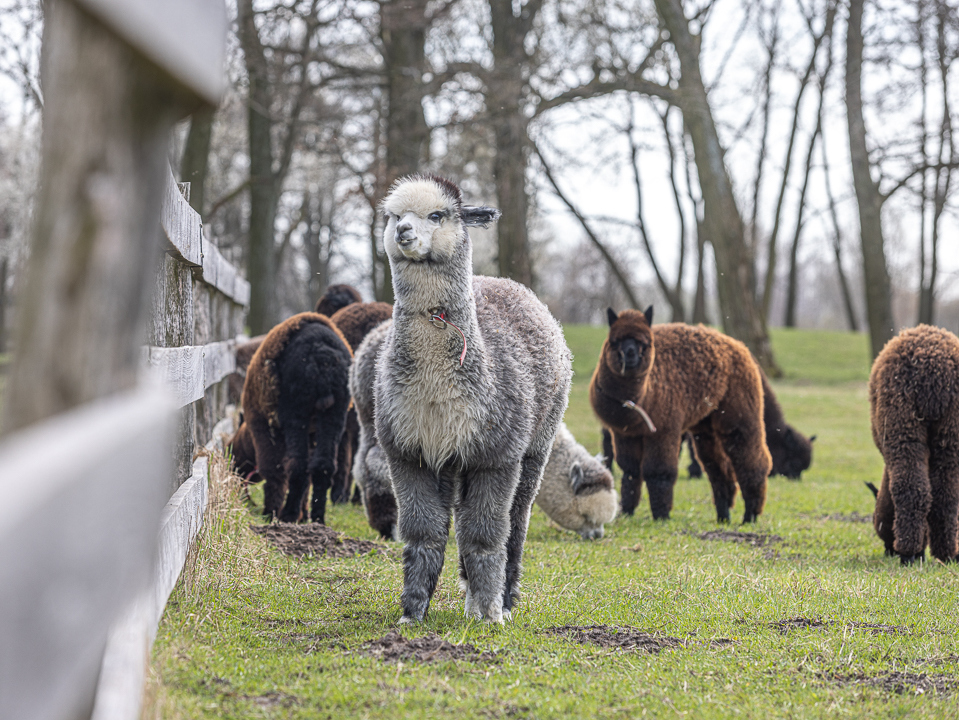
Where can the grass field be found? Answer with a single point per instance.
(816, 624)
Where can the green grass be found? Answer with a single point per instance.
(251, 634)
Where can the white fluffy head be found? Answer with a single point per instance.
(425, 219)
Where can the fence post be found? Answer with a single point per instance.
(107, 116)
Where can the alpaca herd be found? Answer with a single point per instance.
(449, 405)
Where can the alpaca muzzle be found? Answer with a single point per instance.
(405, 234)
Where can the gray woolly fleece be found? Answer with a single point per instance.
(577, 492)
(467, 439)
(370, 471)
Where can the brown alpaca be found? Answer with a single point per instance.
(296, 386)
(243, 354)
(243, 453)
(790, 449)
(355, 322)
(336, 298)
(914, 409)
(653, 384)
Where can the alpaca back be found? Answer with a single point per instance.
(916, 376)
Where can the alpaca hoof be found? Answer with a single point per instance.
(507, 616)
(409, 620)
(591, 533)
(910, 559)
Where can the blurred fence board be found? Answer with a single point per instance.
(119, 691)
(186, 38)
(78, 534)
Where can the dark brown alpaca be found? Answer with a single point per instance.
(914, 409)
(296, 387)
(355, 322)
(243, 354)
(243, 453)
(336, 298)
(653, 384)
(790, 449)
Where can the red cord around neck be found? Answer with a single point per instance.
(441, 316)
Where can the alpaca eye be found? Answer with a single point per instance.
(436, 216)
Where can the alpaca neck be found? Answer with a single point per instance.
(624, 387)
(424, 289)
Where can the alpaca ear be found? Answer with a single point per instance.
(473, 216)
(812, 438)
(649, 314)
(611, 316)
(576, 476)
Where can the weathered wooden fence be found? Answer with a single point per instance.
(98, 438)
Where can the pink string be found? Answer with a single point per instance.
(442, 316)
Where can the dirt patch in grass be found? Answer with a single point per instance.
(902, 683)
(852, 517)
(616, 637)
(801, 623)
(879, 628)
(797, 623)
(747, 538)
(313, 539)
(393, 647)
(271, 699)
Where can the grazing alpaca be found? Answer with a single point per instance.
(791, 451)
(336, 298)
(370, 470)
(243, 354)
(471, 385)
(296, 386)
(577, 491)
(651, 385)
(914, 409)
(354, 321)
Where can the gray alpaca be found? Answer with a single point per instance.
(370, 470)
(471, 385)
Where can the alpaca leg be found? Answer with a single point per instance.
(629, 456)
(660, 468)
(884, 515)
(718, 469)
(482, 533)
(342, 478)
(530, 476)
(944, 481)
(296, 465)
(269, 458)
(607, 449)
(912, 496)
(323, 458)
(424, 501)
(746, 450)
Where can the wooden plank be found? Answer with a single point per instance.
(179, 370)
(181, 224)
(241, 293)
(120, 688)
(219, 360)
(186, 38)
(78, 534)
(185, 372)
(217, 271)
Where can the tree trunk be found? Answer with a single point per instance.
(94, 246)
(837, 244)
(260, 256)
(4, 302)
(196, 155)
(875, 271)
(403, 26)
(741, 316)
(505, 94)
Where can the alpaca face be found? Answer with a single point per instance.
(423, 222)
(629, 348)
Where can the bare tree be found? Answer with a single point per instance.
(742, 317)
(870, 200)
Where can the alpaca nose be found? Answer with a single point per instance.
(404, 233)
